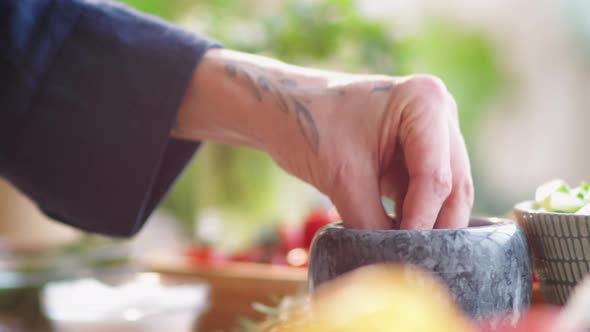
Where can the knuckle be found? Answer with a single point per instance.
(467, 192)
(431, 91)
(428, 86)
(341, 175)
(442, 183)
(463, 192)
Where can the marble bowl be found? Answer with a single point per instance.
(560, 245)
(486, 266)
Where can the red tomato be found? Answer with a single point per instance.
(251, 255)
(204, 255)
(244, 258)
(279, 259)
(317, 219)
(541, 318)
(290, 237)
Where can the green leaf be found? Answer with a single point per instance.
(247, 324)
(562, 202)
(171, 10)
(545, 190)
(264, 309)
(578, 192)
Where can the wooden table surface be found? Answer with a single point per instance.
(234, 287)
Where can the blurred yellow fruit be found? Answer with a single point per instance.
(382, 298)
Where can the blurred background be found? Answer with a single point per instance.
(519, 70)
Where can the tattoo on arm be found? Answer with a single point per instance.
(282, 101)
(252, 86)
(233, 71)
(288, 82)
(267, 86)
(307, 126)
(386, 87)
(230, 69)
(263, 82)
(285, 91)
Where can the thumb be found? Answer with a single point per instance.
(358, 201)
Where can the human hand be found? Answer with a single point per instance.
(397, 138)
(354, 137)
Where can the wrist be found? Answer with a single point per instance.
(220, 107)
(242, 99)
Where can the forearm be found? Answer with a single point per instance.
(356, 138)
(255, 101)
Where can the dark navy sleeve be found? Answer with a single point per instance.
(89, 91)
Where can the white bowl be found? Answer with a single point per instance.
(142, 302)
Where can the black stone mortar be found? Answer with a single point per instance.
(486, 266)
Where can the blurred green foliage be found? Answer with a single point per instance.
(168, 10)
(463, 59)
(328, 34)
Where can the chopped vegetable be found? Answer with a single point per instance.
(543, 193)
(585, 210)
(562, 202)
(557, 196)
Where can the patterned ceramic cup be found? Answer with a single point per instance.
(560, 244)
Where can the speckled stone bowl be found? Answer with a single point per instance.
(560, 245)
(485, 266)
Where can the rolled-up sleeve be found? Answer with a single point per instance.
(89, 93)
